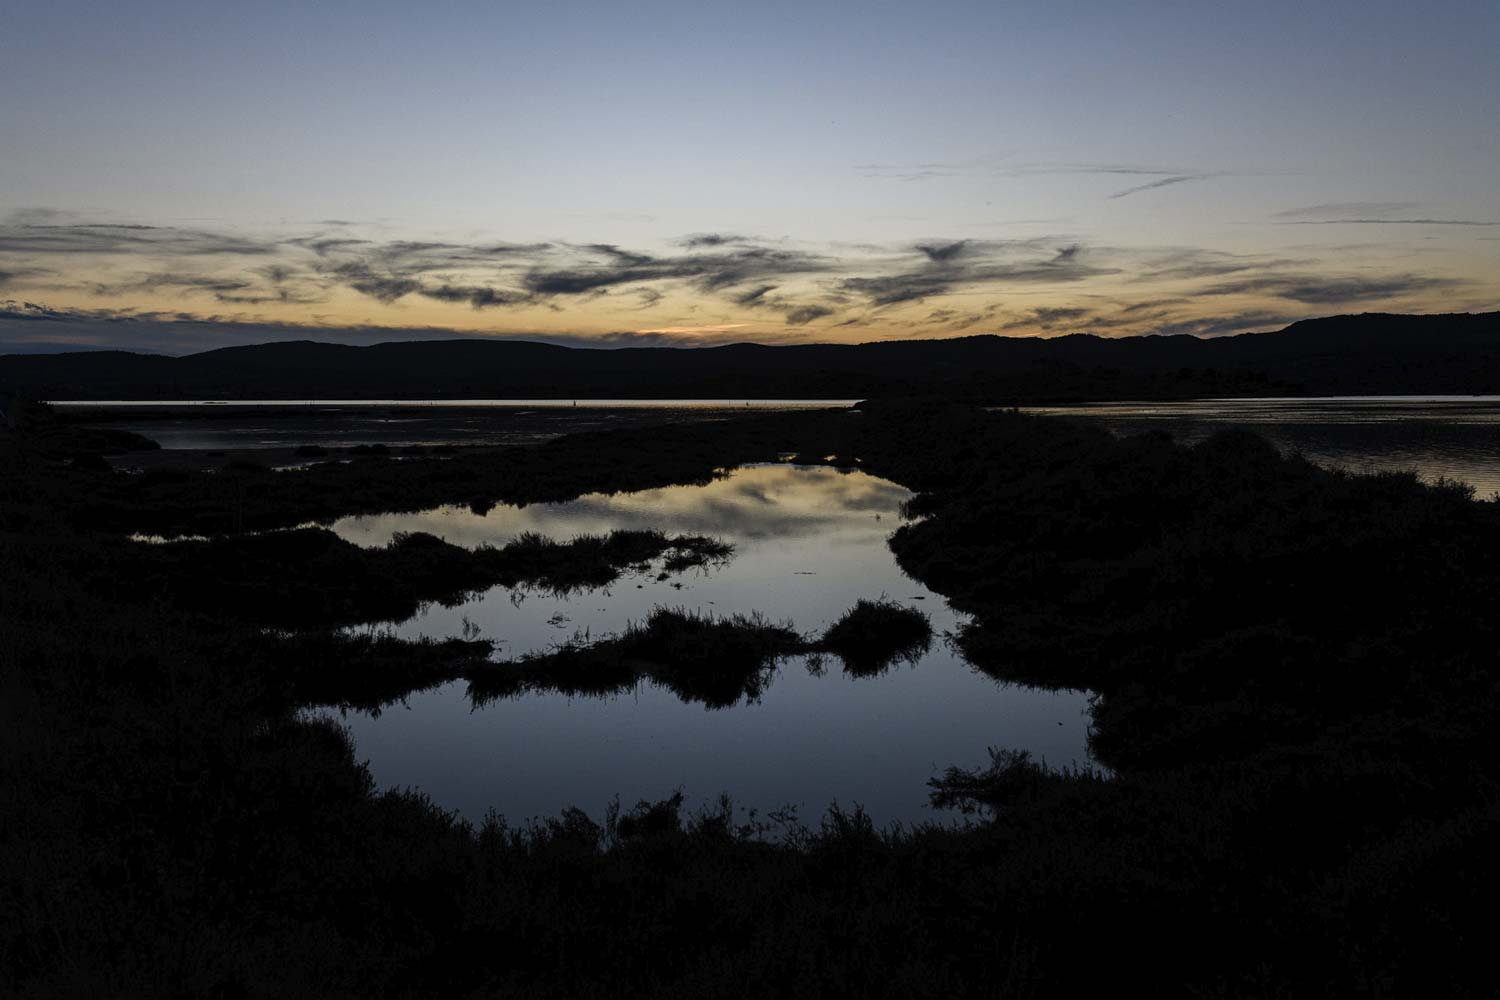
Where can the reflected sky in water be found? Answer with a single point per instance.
(809, 543)
(1453, 436)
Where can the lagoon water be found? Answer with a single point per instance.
(1453, 436)
(213, 425)
(1457, 437)
(809, 543)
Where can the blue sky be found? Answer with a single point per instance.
(693, 173)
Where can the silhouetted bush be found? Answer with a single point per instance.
(714, 660)
(874, 634)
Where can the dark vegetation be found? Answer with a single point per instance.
(51, 438)
(715, 660)
(1370, 353)
(872, 635)
(356, 671)
(310, 577)
(1267, 595)
(244, 496)
(1296, 686)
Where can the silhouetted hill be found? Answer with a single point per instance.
(1371, 353)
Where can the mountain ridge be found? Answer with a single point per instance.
(1351, 354)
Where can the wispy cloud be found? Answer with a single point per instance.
(1326, 290)
(1368, 213)
(612, 266)
(705, 328)
(11, 275)
(1390, 222)
(1165, 176)
(1194, 262)
(185, 283)
(478, 296)
(50, 239)
(945, 267)
(1348, 209)
(919, 171)
(712, 240)
(802, 315)
(1161, 183)
(777, 288)
(1048, 318)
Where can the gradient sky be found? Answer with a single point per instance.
(181, 176)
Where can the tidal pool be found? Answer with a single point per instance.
(809, 542)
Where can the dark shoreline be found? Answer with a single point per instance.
(1296, 682)
(210, 436)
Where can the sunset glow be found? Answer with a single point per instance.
(177, 179)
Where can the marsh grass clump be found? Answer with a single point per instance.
(585, 561)
(369, 671)
(688, 551)
(1011, 778)
(706, 658)
(873, 635)
(648, 819)
(310, 577)
(716, 660)
(664, 824)
(711, 659)
(574, 667)
(597, 560)
(675, 636)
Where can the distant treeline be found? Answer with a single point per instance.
(1365, 354)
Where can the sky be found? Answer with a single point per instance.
(177, 177)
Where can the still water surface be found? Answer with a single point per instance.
(207, 425)
(1453, 436)
(809, 543)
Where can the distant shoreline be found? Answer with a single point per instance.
(709, 403)
(486, 403)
